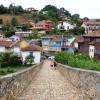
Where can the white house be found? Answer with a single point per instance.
(91, 26)
(14, 38)
(34, 50)
(23, 33)
(65, 25)
(22, 51)
(91, 51)
(5, 46)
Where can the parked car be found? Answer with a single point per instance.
(51, 57)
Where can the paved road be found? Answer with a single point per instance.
(49, 84)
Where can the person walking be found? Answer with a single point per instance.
(52, 64)
(55, 64)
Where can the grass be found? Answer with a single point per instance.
(8, 70)
(78, 61)
(8, 17)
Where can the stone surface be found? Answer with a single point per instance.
(85, 81)
(49, 84)
(40, 82)
(13, 84)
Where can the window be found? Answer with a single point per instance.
(67, 27)
(97, 40)
(97, 51)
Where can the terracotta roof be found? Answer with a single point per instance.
(93, 34)
(32, 48)
(51, 36)
(17, 44)
(79, 39)
(91, 22)
(6, 43)
(92, 42)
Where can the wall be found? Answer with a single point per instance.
(16, 49)
(12, 85)
(36, 54)
(2, 49)
(86, 82)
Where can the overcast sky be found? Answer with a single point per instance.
(89, 8)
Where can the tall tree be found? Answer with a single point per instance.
(76, 19)
(14, 21)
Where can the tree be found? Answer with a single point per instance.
(76, 19)
(8, 59)
(1, 21)
(8, 29)
(14, 21)
(3, 9)
(33, 35)
(49, 8)
(29, 59)
(51, 12)
(86, 19)
(63, 11)
(25, 27)
(77, 31)
(14, 60)
(55, 31)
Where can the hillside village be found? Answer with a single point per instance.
(46, 32)
(51, 53)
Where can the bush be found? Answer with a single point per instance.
(8, 70)
(8, 59)
(79, 61)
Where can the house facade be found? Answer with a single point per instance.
(32, 10)
(89, 44)
(22, 34)
(52, 44)
(91, 26)
(45, 25)
(65, 25)
(22, 49)
(34, 50)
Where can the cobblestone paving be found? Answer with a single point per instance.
(49, 84)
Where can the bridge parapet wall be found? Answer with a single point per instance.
(12, 85)
(86, 82)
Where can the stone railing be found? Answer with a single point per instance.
(12, 85)
(86, 82)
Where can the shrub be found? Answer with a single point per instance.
(79, 61)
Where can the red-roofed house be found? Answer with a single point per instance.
(34, 50)
(90, 44)
(45, 25)
(91, 26)
(14, 47)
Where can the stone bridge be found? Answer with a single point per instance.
(40, 82)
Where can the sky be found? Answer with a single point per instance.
(85, 8)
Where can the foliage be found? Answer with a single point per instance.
(79, 61)
(77, 20)
(3, 9)
(25, 27)
(86, 19)
(8, 30)
(7, 70)
(54, 31)
(63, 11)
(51, 12)
(34, 35)
(29, 59)
(7, 59)
(14, 21)
(12, 9)
(77, 31)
